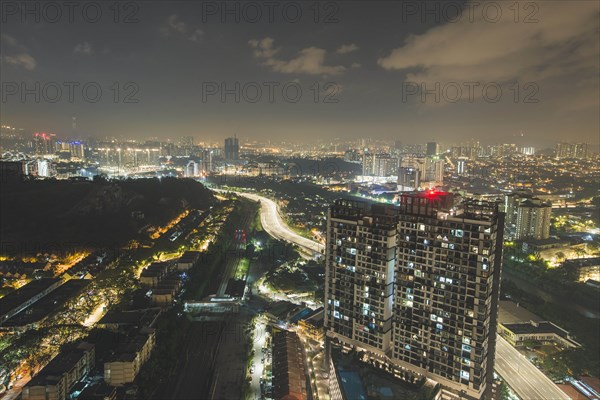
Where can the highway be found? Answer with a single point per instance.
(273, 224)
(521, 375)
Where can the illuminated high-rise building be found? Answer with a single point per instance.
(527, 217)
(192, 169)
(416, 287)
(431, 169)
(77, 150)
(533, 219)
(43, 143)
(571, 150)
(384, 165)
(232, 149)
(367, 163)
(408, 178)
(461, 168)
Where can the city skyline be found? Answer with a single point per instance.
(299, 200)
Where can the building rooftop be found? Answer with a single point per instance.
(582, 262)
(534, 203)
(189, 256)
(536, 327)
(128, 350)
(24, 293)
(510, 312)
(429, 203)
(61, 364)
(308, 314)
(52, 302)
(131, 318)
(289, 377)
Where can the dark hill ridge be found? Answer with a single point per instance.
(107, 213)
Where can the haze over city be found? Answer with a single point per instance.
(328, 200)
(546, 52)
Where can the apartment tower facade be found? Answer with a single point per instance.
(416, 286)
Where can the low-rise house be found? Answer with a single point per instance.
(56, 379)
(312, 325)
(518, 334)
(129, 357)
(188, 260)
(152, 275)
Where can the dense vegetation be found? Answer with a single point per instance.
(48, 214)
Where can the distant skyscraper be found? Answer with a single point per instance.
(76, 149)
(416, 287)
(191, 169)
(207, 161)
(434, 170)
(533, 219)
(45, 168)
(367, 163)
(232, 149)
(408, 178)
(43, 143)
(432, 149)
(461, 167)
(528, 150)
(571, 150)
(431, 168)
(384, 165)
(527, 217)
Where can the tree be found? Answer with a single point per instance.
(503, 392)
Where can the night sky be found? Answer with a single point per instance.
(176, 55)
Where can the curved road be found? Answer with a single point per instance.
(273, 224)
(521, 375)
